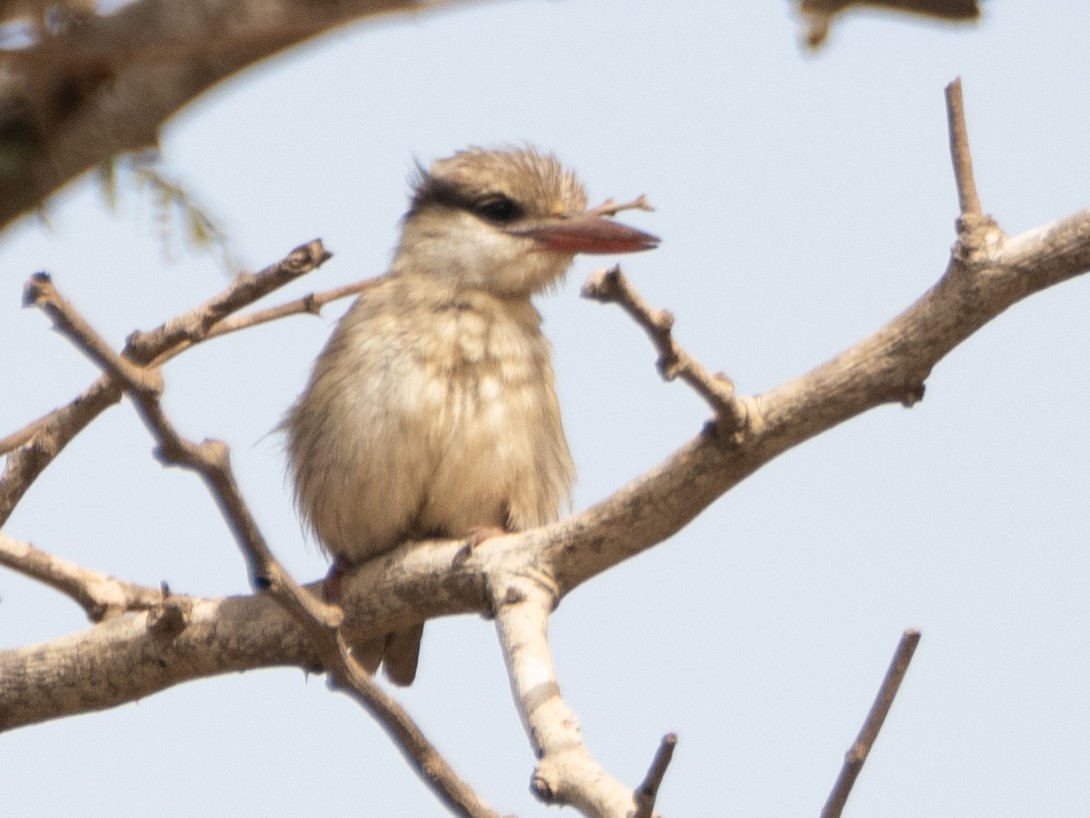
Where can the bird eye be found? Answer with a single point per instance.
(498, 209)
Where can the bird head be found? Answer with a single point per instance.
(505, 221)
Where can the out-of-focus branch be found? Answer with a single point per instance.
(857, 755)
(106, 86)
(818, 15)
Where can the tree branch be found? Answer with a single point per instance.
(857, 755)
(566, 774)
(100, 595)
(648, 791)
(818, 15)
(35, 446)
(310, 304)
(210, 459)
(181, 332)
(718, 390)
(106, 86)
(968, 198)
(519, 577)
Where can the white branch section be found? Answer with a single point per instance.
(566, 774)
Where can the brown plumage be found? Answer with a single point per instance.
(432, 410)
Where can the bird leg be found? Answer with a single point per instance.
(331, 587)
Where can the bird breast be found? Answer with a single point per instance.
(430, 414)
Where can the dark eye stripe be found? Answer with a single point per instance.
(497, 208)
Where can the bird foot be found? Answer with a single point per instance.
(474, 537)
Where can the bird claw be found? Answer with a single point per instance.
(474, 538)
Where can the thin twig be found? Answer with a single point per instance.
(100, 595)
(610, 285)
(40, 292)
(194, 326)
(857, 755)
(161, 345)
(612, 208)
(311, 304)
(352, 679)
(648, 791)
(34, 447)
(40, 442)
(968, 200)
(209, 459)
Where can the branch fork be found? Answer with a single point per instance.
(610, 285)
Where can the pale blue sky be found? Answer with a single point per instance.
(803, 200)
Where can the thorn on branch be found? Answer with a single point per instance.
(610, 285)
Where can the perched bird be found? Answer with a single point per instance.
(432, 410)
